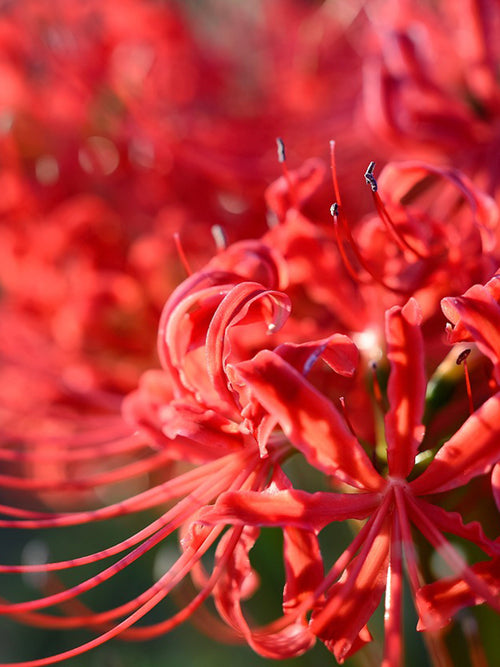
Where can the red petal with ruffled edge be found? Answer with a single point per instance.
(472, 451)
(444, 598)
(303, 566)
(309, 511)
(460, 332)
(452, 522)
(406, 389)
(311, 422)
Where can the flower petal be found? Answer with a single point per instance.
(406, 389)
(479, 314)
(311, 422)
(232, 310)
(472, 451)
(284, 638)
(452, 522)
(285, 193)
(303, 566)
(338, 351)
(340, 620)
(443, 599)
(309, 511)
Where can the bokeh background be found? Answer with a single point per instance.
(126, 122)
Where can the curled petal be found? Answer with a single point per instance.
(406, 390)
(472, 451)
(443, 599)
(403, 180)
(253, 261)
(311, 422)
(460, 331)
(303, 566)
(284, 638)
(275, 308)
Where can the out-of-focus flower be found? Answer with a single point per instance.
(434, 234)
(433, 93)
(122, 126)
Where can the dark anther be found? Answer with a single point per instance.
(334, 209)
(463, 356)
(281, 149)
(370, 178)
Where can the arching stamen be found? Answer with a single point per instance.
(334, 210)
(334, 173)
(220, 238)
(462, 361)
(383, 213)
(341, 225)
(182, 254)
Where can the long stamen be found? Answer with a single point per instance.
(182, 254)
(462, 361)
(383, 213)
(434, 643)
(334, 210)
(341, 224)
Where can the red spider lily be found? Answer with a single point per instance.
(189, 412)
(197, 411)
(351, 590)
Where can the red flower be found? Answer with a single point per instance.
(431, 84)
(350, 592)
(190, 412)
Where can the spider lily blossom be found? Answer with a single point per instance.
(391, 503)
(190, 413)
(249, 378)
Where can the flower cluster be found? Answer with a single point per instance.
(329, 374)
